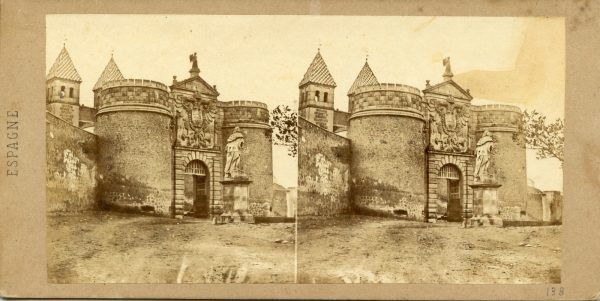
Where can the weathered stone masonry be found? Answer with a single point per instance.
(253, 119)
(134, 128)
(156, 149)
(412, 151)
(324, 173)
(388, 150)
(71, 167)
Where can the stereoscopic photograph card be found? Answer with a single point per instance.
(299, 149)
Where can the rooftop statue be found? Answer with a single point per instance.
(194, 60)
(448, 72)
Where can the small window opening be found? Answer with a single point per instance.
(71, 92)
(317, 95)
(62, 92)
(325, 96)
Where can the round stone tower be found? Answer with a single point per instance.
(509, 160)
(252, 118)
(135, 158)
(388, 150)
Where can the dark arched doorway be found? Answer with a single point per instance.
(196, 189)
(449, 193)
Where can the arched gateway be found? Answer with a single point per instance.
(450, 203)
(196, 189)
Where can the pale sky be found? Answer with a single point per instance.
(263, 58)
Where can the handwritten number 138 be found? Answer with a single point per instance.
(553, 291)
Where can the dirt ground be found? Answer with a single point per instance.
(359, 249)
(107, 247)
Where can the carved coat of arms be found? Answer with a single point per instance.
(450, 120)
(448, 123)
(195, 123)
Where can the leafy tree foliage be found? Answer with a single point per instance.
(284, 122)
(547, 138)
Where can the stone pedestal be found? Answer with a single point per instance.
(235, 201)
(485, 204)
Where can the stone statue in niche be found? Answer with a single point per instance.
(235, 145)
(485, 145)
(449, 127)
(195, 123)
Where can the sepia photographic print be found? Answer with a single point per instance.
(154, 173)
(310, 149)
(304, 149)
(431, 150)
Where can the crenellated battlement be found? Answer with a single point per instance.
(245, 111)
(388, 87)
(244, 103)
(497, 117)
(134, 82)
(378, 99)
(134, 95)
(497, 107)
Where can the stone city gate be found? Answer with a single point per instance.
(448, 192)
(197, 190)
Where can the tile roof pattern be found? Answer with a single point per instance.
(63, 67)
(365, 77)
(318, 73)
(111, 72)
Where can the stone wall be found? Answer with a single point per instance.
(87, 116)
(324, 173)
(509, 160)
(322, 117)
(252, 118)
(534, 207)
(279, 205)
(387, 130)
(134, 128)
(340, 119)
(71, 167)
(388, 165)
(66, 112)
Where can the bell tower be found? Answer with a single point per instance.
(316, 94)
(62, 88)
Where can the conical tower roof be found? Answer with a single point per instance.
(318, 73)
(63, 67)
(365, 77)
(111, 72)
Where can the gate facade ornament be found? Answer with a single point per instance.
(449, 126)
(195, 122)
